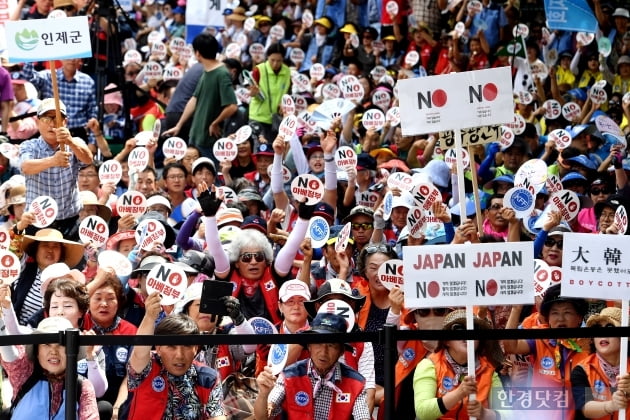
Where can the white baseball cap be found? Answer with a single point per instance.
(294, 288)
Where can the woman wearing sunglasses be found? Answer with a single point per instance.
(599, 191)
(598, 390)
(381, 305)
(442, 383)
(549, 241)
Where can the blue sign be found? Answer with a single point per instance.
(570, 15)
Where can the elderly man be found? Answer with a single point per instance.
(51, 164)
(315, 387)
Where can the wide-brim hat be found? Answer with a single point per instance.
(88, 198)
(606, 316)
(237, 14)
(492, 349)
(73, 251)
(325, 22)
(147, 264)
(115, 239)
(335, 288)
(17, 195)
(51, 325)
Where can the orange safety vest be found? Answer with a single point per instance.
(600, 384)
(445, 377)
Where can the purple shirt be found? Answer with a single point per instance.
(6, 88)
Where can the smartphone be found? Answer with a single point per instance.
(211, 293)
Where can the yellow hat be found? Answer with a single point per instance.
(325, 22)
(348, 28)
(389, 38)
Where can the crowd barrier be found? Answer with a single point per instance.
(388, 336)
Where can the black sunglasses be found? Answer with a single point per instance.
(550, 242)
(366, 226)
(458, 327)
(249, 256)
(602, 326)
(598, 191)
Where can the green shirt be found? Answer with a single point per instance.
(214, 92)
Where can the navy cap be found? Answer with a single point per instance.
(264, 149)
(255, 222)
(365, 161)
(324, 210)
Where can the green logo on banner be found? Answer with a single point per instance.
(27, 40)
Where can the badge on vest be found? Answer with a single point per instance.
(600, 387)
(546, 362)
(343, 397)
(301, 398)
(223, 362)
(447, 383)
(121, 354)
(409, 354)
(158, 384)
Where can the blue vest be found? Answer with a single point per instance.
(36, 404)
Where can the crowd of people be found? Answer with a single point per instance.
(237, 219)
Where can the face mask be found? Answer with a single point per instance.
(320, 39)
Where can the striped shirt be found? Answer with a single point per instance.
(33, 301)
(56, 182)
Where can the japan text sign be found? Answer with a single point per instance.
(486, 274)
(48, 39)
(456, 100)
(595, 266)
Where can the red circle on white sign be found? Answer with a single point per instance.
(225, 149)
(169, 280)
(45, 210)
(131, 202)
(309, 187)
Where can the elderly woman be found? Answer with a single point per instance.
(249, 262)
(37, 375)
(598, 390)
(46, 247)
(442, 383)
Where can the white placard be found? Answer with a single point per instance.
(47, 39)
(393, 115)
(390, 274)
(391, 7)
(176, 44)
(317, 71)
(345, 158)
(553, 109)
(169, 280)
(425, 195)
(598, 95)
(542, 277)
(138, 160)
(351, 88)
(567, 203)
(174, 147)
(110, 172)
(416, 221)
(570, 111)
(343, 237)
(341, 308)
(373, 119)
(287, 105)
(595, 266)
(507, 137)
(131, 202)
(94, 229)
(400, 180)
(330, 91)
(288, 126)
(158, 50)
(382, 99)
(450, 157)
(585, 38)
(521, 200)
(276, 32)
(149, 232)
(225, 149)
(484, 274)
(367, 199)
(9, 267)
(309, 187)
(297, 56)
(45, 210)
(482, 97)
(152, 70)
(531, 175)
(561, 138)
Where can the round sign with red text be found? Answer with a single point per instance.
(450, 157)
(317, 71)
(412, 58)
(225, 149)
(243, 134)
(45, 210)
(382, 99)
(392, 8)
(373, 119)
(561, 138)
(330, 91)
(158, 50)
(390, 274)
(518, 125)
(598, 95)
(138, 160)
(343, 238)
(309, 187)
(400, 180)
(9, 267)
(621, 220)
(585, 38)
(300, 103)
(341, 308)
(425, 194)
(553, 109)
(287, 105)
(307, 18)
(570, 111)
(393, 115)
(110, 172)
(131, 202)
(507, 137)
(288, 126)
(351, 87)
(5, 238)
(567, 203)
(416, 222)
(257, 51)
(94, 229)
(542, 277)
(169, 280)
(297, 56)
(174, 147)
(276, 32)
(152, 70)
(345, 158)
(148, 233)
(227, 194)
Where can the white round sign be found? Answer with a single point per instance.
(400, 180)
(309, 187)
(345, 158)
(416, 222)
(152, 70)
(300, 103)
(343, 238)
(425, 195)
(287, 105)
(276, 32)
(351, 88)
(318, 231)
(317, 71)
(382, 99)
(604, 46)
(393, 115)
(45, 210)
(301, 82)
(297, 56)
(9, 267)
(621, 220)
(598, 95)
(585, 38)
(110, 172)
(518, 125)
(392, 8)
(520, 29)
(390, 274)
(412, 58)
(330, 91)
(341, 308)
(158, 50)
(307, 18)
(288, 126)
(176, 44)
(354, 40)
(157, 128)
(553, 109)
(378, 72)
(144, 137)
(138, 160)
(169, 280)
(225, 149)
(570, 111)
(531, 175)
(450, 157)
(132, 56)
(507, 137)
(249, 24)
(174, 147)
(567, 203)
(257, 51)
(243, 134)
(94, 229)
(233, 50)
(5, 238)
(561, 137)
(172, 73)
(154, 36)
(131, 202)
(227, 194)
(553, 183)
(277, 359)
(474, 6)
(373, 119)
(262, 325)
(521, 200)
(542, 277)
(388, 203)
(149, 232)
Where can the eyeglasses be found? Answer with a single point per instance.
(496, 206)
(176, 177)
(86, 175)
(366, 226)
(247, 257)
(292, 302)
(550, 242)
(423, 313)
(458, 327)
(607, 215)
(598, 191)
(602, 326)
(49, 120)
(373, 249)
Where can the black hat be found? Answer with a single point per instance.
(200, 261)
(339, 288)
(613, 201)
(552, 295)
(359, 210)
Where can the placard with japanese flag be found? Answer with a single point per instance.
(456, 100)
(595, 266)
(477, 274)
